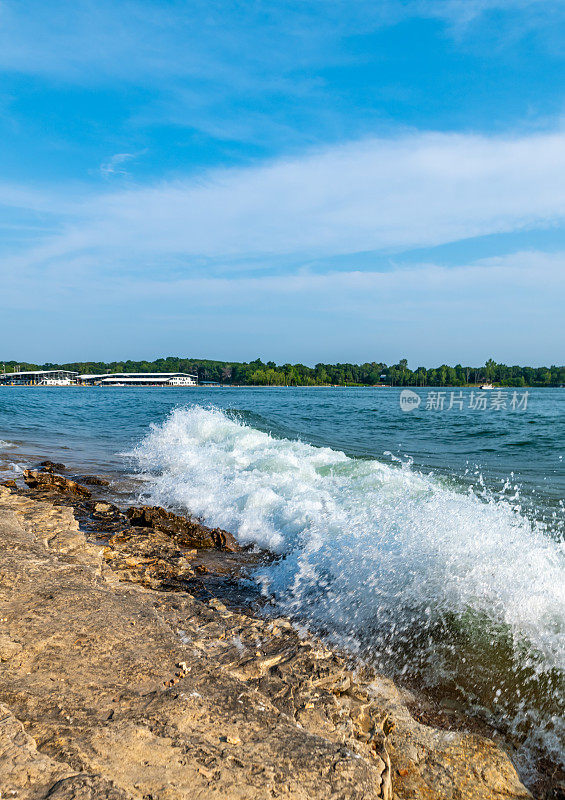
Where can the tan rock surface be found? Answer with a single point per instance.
(113, 690)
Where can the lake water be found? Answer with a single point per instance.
(430, 542)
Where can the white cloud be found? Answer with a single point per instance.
(139, 40)
(491, 281)
(115, 164)
(464, 11)
(509, 308)
(413, 191)
(162, 253)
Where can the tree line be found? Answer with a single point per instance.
(259, 373)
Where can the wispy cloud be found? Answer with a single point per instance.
(423, 309)
(462, 12)
(315, 117)
(116, 164)
(131, 40)
(273, 76)
(378, 194)
(181, 252)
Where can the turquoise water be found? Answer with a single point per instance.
(430, 542)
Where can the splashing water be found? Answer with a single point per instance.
(460, 592)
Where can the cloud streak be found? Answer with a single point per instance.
(323, 115)
(144, 40)
(179, 253)
(419, 310)
(115, 164)
(418, 190)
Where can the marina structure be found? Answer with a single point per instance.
(42, 377)
(63, 377)
(140, 379)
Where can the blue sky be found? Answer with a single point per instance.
(301, 181)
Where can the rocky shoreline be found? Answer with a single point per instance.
(132, 665)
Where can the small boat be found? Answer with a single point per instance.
(487, 386)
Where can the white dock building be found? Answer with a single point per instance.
(140, 379)
(64, 377)
(42, 377)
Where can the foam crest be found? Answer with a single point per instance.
(399, 566)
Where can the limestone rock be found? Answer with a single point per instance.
(185, 531)
(93, 480)
(52, 466)
(86, 787)
(25, 773)
(50, 482)
(116, 691)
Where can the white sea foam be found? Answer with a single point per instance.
(373, 550)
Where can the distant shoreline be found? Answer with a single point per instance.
(495, 387)
(260, 373)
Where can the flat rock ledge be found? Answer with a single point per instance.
(112, 689)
